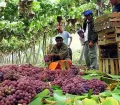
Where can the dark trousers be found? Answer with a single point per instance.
(55, 59)
(90, 55)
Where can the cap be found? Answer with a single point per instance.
(88, 12)
(59, 36)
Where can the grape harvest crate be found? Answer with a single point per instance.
(107, 21)
(108, 36)
(108, 51)
(109, 58)
(117, 34)
(109, 65)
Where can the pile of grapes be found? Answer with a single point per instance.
(79, 86)
(20, 84)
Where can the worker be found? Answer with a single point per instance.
(81, 36)
(66, 35)
(60, 22)
(116, 5)
(80, 32)
(59, 52)
(90, 38)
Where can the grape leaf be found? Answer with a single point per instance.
(117, 89)
(61, 103)
(56, 87)
(81, 97)
(58, 95)
(60, 98)
(106, 94)
(77, 97)
(37, 101)
(38, 98)
(108, 80)
(90, 93)
(70, 95)
(77, 102)
(116, 96)
(93, 72)
(89, 77)
(113, 76)
(42, 94)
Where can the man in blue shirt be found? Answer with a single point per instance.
(116, 5)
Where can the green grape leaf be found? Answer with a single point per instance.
(106, 94)
(116, 96)
(90, 93)
(59, 96)
(43, 94)
(37, 101)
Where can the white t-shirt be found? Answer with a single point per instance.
(82, 41)
(66, 35)
(86, 34)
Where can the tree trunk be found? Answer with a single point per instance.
(33, 53)
(28, 60)
(38, 53)
(19, 56)
(12, 57)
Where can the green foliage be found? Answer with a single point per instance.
(59, 98)
(29, 28)
(10, 12)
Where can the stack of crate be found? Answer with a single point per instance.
(108, 29)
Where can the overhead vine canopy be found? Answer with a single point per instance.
(26, 21)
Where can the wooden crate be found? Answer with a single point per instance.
(108, 36)
(110, 66)
(117, 32)
(108, 51)
(109, 58)
(104, 18)
(107, 24)
(107, 21)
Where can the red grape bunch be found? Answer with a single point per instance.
(21, 91)
(20, 84)
(77, 85)
(47, 58)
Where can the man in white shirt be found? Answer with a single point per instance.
(66, 36)
(81, 37)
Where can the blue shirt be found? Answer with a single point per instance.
(66, 35)
(116, 8)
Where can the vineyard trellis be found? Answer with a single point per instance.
(26, 26)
